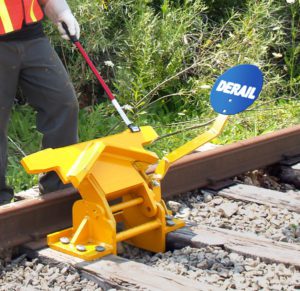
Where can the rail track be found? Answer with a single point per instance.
(26, 223)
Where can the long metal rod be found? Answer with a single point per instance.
(127, 204)
(132, 232)
(102, 82)
(110, 95)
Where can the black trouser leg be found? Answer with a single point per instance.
(9, 75)
(47, 87)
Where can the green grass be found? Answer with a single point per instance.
(249, 124)
(166, 55)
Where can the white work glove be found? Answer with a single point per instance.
(68, 18)
(58, 11)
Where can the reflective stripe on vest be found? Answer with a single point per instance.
(32, 15)
(5, 18)
(14, 12)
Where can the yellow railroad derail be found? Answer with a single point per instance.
(103, 170)
(117, 193)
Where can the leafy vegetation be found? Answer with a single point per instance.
(162, 57)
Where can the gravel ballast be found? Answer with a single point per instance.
(34, 275)
(270, 222)
(222, 268)
(219, 268)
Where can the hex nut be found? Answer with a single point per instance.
(100, 249)
(170, 223)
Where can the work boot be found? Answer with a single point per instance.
(6, 196)
(50, 182)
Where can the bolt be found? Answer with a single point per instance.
(100, 248)
(64, 240)
(155, 183)
(81, 248)
(170, 223)
(169, 217)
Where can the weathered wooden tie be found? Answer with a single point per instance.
(247, 244)
(116, 272)
(289, 200)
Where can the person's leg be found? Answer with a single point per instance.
(9, 75)
(47, 87)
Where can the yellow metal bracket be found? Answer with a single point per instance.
(190, 146)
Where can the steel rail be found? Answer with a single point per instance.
(207, 168)
(31, 220)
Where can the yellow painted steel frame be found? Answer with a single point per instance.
(109, 169)
(104, 170)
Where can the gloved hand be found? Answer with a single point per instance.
(59, 11)
(68, 18)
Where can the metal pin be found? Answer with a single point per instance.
(100, 249)
(81, 248)
(64, 240)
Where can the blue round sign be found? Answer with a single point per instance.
(236, 89)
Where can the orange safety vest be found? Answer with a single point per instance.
(13, 13)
